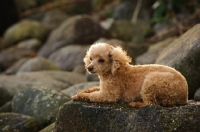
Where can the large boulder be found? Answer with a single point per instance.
(184, 55)
(23, 30)
(119, 117)
(80, 29)
(39, 102)
(13, 122)
(67, 58)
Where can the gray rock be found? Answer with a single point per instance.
(153, 52)
(67, 58)
(80, 29)
(23, 30)
(59, 80)
(92, 77)
(39, 102)
(197, 95)
(119, 117)
(79, 87)
(33, 44)
(13, 122)
(53, 19)
(9, 56)
(37, 64)
(183, 54)
(16, 66)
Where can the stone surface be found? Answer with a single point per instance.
(48, 128)
(58, 80)
(6, 107)
(16, 66)
(153, 52)
(197, 95)
(119, 117)
(33, 44)
(12, 122)
(12, 55)
(23, 30)
(37, 64)
(79, 87)
(39, 102)
(53, 19)
(67, 58)
(80, 29)
(184, 55)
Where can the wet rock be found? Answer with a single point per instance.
(39, 102)
(53, 19)
(33, 44)
(12, 122)
(78, 87)
(25, 29)
(37, 64)
(67, 58)
(153, 52)
(80, 29)
(183, 54)
(12, 55)
(82, 116)
(59, 80)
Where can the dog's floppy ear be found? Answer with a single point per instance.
(119, 59)
(86, 59)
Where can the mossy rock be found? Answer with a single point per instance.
(12, 122)
(119, 117)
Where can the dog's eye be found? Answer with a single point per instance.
(90, 58)
(101, 60)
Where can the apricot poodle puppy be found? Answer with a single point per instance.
(139, 85)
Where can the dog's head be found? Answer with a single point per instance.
(103, 58)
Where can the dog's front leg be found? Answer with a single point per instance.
(90, 90)
(95, 96)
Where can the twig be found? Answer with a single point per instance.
(136, 12)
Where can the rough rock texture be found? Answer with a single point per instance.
(37, 64)
(23, 30)
(67, 58)
(80, 29)
(119, 117)
(12, 122)
(184, 55)
(12, 55)
(39, 102)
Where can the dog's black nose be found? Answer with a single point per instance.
(90, 68)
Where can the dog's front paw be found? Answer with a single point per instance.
(75, 97)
